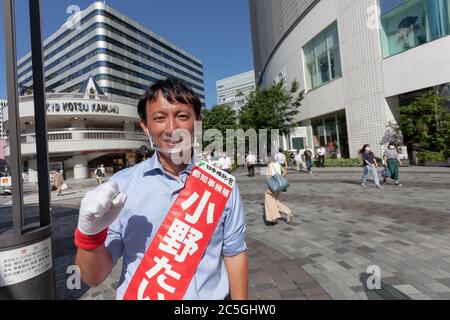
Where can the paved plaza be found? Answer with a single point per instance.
(339, 230)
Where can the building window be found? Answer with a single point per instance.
(298, 143)
(406, 24)
(330, 131)
(322, 59)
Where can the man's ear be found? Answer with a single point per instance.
(144, 127)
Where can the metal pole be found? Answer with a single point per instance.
(14, 118)
(22, 240)
(40, 112)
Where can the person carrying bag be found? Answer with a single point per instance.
(276, 183)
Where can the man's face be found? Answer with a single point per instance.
(165, 122)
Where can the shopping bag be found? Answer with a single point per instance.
(386, 173)
(64, 186)
(277, 183)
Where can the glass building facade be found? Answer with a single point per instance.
(125, 58)
(322, 58)
(406, 24)
(330, 131)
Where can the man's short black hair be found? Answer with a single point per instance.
(174, 91)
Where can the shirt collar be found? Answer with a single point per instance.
(153, 165)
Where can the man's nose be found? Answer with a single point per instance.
(171, 126)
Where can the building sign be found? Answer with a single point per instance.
(5, 182)
(71, 107)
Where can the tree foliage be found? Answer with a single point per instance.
(274, 107)
(220, 117)
(426, 123)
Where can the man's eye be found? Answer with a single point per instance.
(183, 116)
(158, 119)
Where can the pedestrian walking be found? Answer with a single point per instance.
(225, 163)
(102, 168)
(281, 158)
(321, 154)
(99, 175)
(58, 181)
(308, 154)
(370, 166)
(391, 162)
(273, 205)
(292, 157)
(298, 161)
(250, 162)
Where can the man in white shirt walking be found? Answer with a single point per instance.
(250, 162)
(321, 154)
(225, 163)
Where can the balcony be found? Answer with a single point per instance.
(83, 96)
(84, 141)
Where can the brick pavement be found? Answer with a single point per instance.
(339, 230)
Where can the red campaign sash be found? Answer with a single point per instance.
(170, 262)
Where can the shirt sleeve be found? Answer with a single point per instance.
(114, 243)
(234, 225)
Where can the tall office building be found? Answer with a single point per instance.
(122, 56)
(3, 104)
(232, 91)
(95, 72)
(356, 60)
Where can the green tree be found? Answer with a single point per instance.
(220, 117)
(425, 123)
(274, 107)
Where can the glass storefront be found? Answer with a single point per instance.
(406, 24)
(322, 58)
(330, 131)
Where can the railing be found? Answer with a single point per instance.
(84, 96)
(80, 135)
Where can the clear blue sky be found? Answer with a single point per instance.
(215, 31)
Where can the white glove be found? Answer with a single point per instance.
(100, 208)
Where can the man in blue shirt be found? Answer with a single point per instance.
(121, 217)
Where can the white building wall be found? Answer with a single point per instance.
(421, 67)
(369, 85)
(362, 75)
(228, 88)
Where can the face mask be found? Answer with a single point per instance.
(367, 149)
(392, 147)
